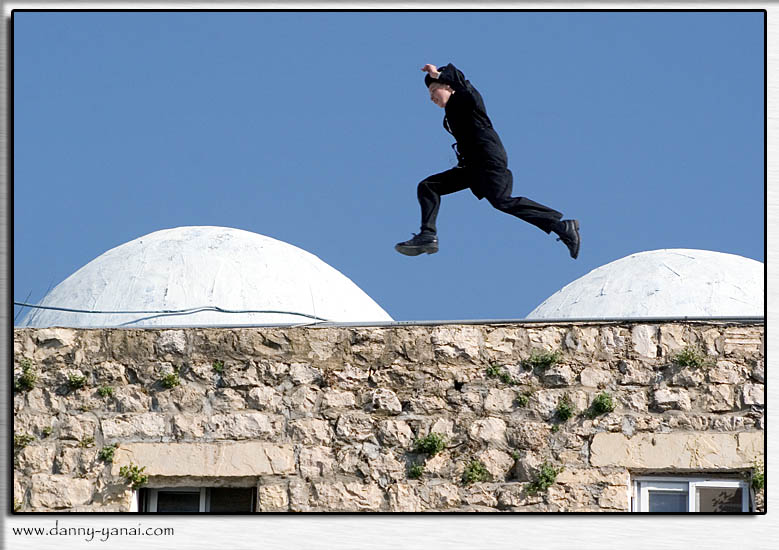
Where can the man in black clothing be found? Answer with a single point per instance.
(482, 166)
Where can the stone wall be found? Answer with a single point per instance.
(326, 418)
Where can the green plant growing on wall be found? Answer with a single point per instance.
(523, 399)
(497, 371)
(76, 382)
(27, 379)
(758, 476)
(18, 505)
(87, 442)
(555, 428)
(431, 444)
(134, 475)
(565, 409)
(171, 380)
(690, 357)
(219, 366)
(46, 432)
(542, 359)
(475, 471)
(602, 404)
(106, 454)
(547, 475)
(105, 391)
(416, 471)
(22, 440)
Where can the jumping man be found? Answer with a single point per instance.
(482, 166)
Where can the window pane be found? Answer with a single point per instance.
(226, 500)
(178, 501)
(660, 501)
(718, 499)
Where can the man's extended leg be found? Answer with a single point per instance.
(429, 192)
(497, 186)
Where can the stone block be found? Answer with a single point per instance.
(403, 497)
(499, 401)
(753, 394)
(490, 431)
(219, 459)
(558, 376)
(592, 377)
(273, 498)
(133, 427)
(670, 450)
(264, 398)
(311, 431)
(316, 461)
(395, 433)
(384, 401)
(356, 426)
(303, 374)
(171, 343)
(337, 399)
(248, 425)
(644, 340)
(457, 342)
(57, 491)
(665, 399)
(35, 459)
(719, 398)
(348, 497)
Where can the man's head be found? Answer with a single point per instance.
(440, 93)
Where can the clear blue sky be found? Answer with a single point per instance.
(315, 128)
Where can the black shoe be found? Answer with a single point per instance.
(419, 244)
(569, 234)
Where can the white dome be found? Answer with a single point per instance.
(191, 268)
(662, 283)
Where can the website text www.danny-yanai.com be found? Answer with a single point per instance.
(101, 534)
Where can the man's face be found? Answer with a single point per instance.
(440, 94)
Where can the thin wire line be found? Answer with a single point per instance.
(171, 311)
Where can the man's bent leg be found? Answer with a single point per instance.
(497, 189)
(431, 189)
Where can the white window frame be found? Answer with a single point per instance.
(643, 484)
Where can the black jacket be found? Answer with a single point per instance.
(466, 119)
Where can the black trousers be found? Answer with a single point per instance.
(493, 183)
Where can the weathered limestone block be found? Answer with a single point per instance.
(439, 495)
(457, 342)
(582, 340)
(499, 343)
(225, 459)
(337, 399)
(226, 400)
(404, 498)
(742, 341)
(302, 399)
(38, 400)
(644, 340)
(36, 424)
(593, 476)
(34, 459)
(558, 376)
(189, 426)
(303, 374)
(311, 431)
(514, 495)
(719, 398)
(299, 496)
(499, 401)
(688, 377)
(316, 461)
(483, 495)
(74, 460)
(57, 491)
(489, 431)
(385, 401)
(753, 394)
(635, 399)
(171, 343)
(109, 372)
(712, 342)
(444, 427)
(130, 399)
(237, 375)
(428, 404)
(594, 377)
(443, 465)
(130, 346)
(675, 450)
(348, 497)
(273, 498)
(544, 339)
(77, 427)
(497, 463)
(132, 427)
(758, 371)
(665, 399)
(386, 469)
(615, 498)
(395, 433)
(528, 435)
(249, 425)
(264, 398)
(356, 426)
(634, 374)
(187, 398)
(673, 338)
(725, 372)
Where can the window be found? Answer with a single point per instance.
(183, 500)
(669, 494)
